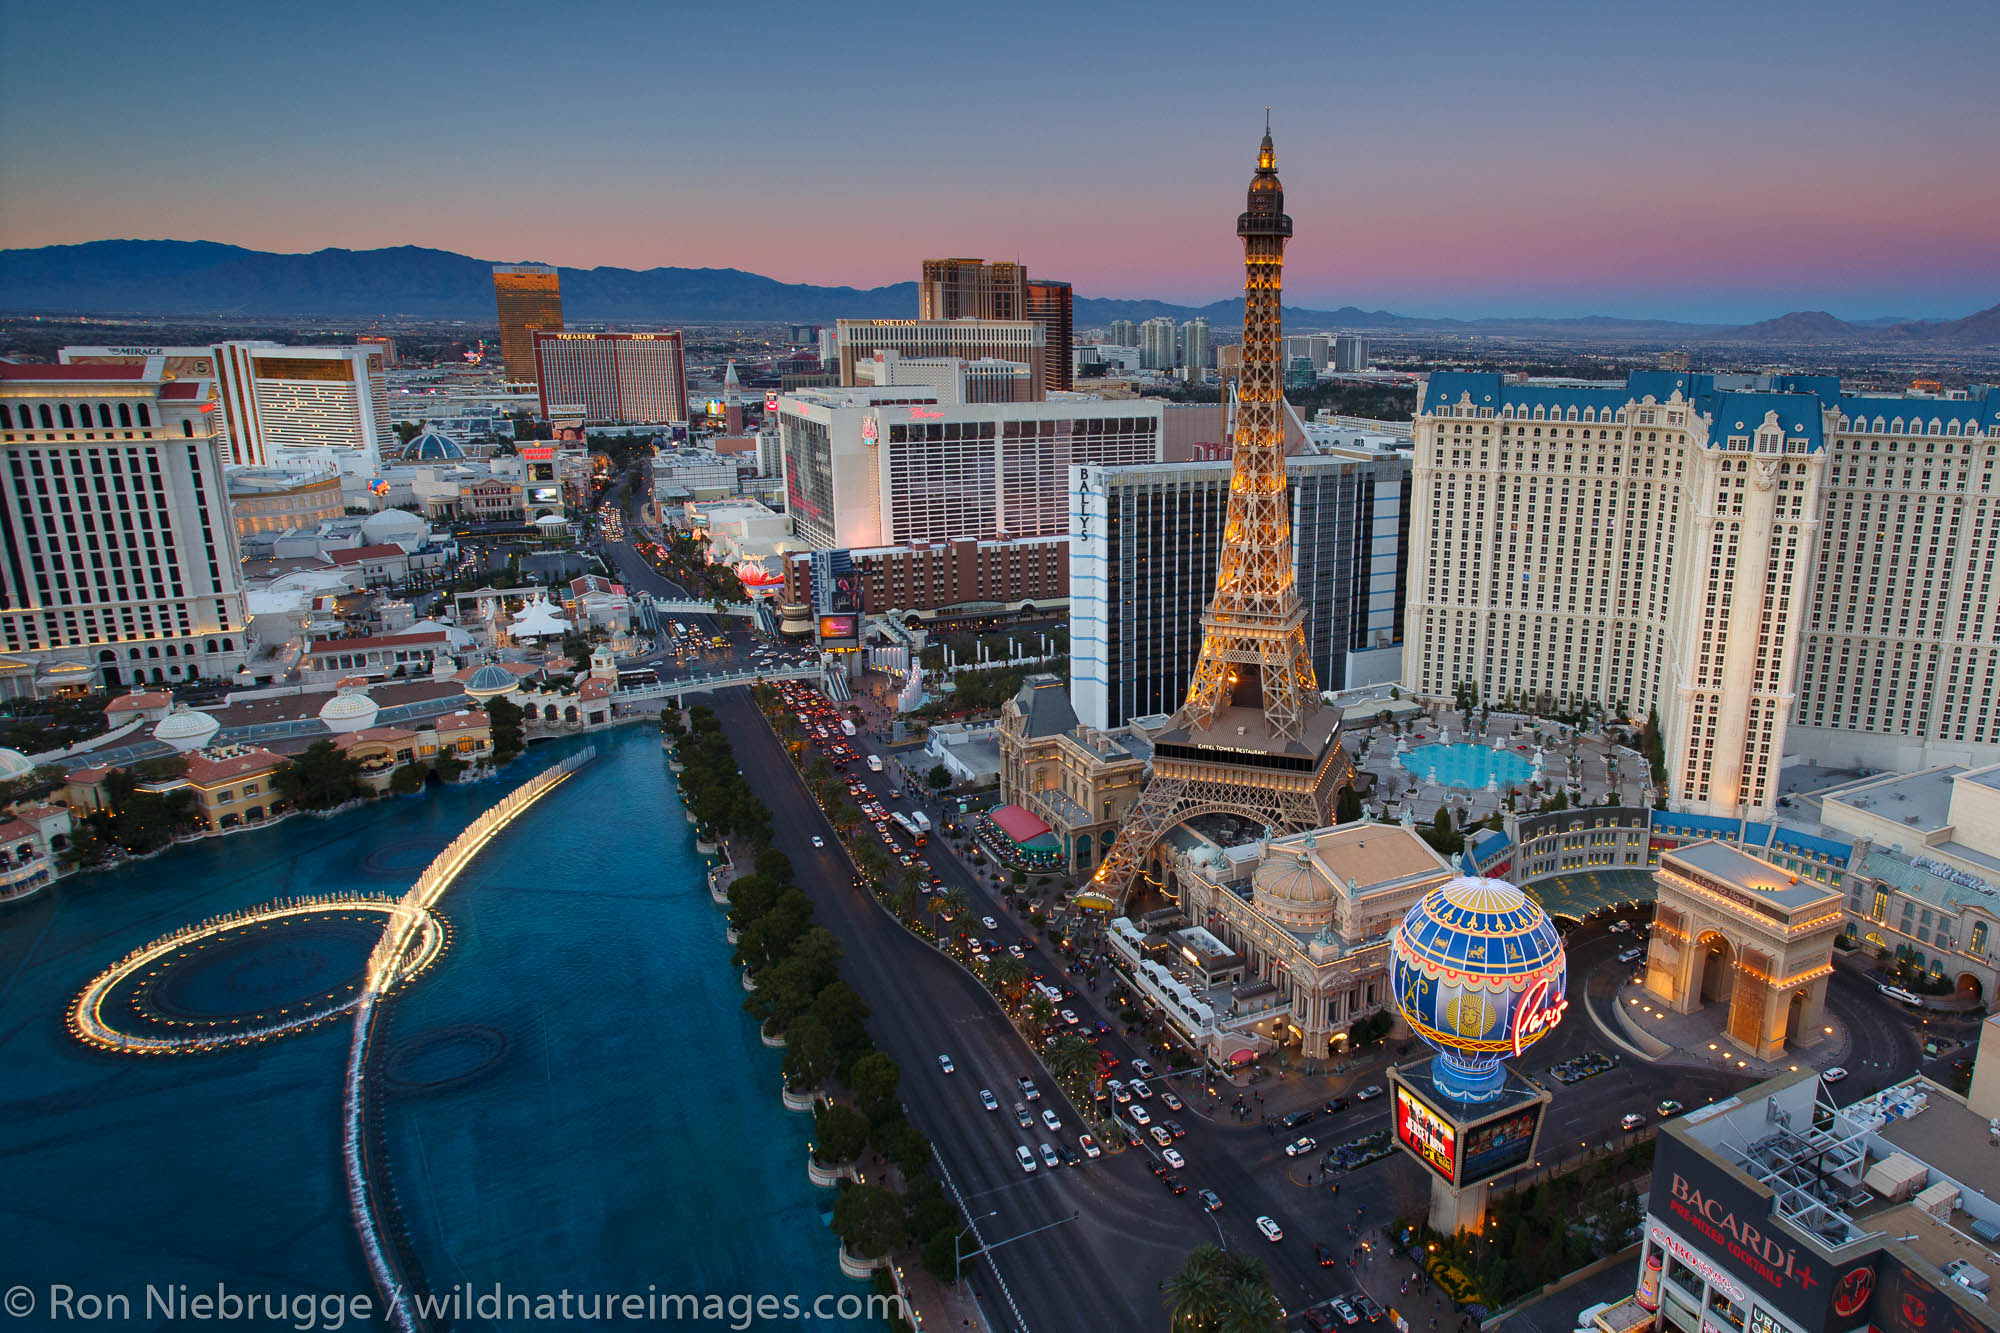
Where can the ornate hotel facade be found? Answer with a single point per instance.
(1768, 563)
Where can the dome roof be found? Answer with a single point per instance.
(1484, 930)
(1291, 890)
(348, 712)
(186, 729)
(14, 764)
(397, 526)
(427, 446)
(489, 681)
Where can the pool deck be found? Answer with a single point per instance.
(1597, 765)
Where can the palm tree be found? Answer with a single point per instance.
(869, 858)
(1071, 1060)
(1009, 976)
(1249, 1306)
(1195, 1294)
(954, 903)
(1040, 1012)
(908, 896)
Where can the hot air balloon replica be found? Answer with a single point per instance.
(1479, 976)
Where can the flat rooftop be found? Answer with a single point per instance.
(1376, 856)
(1953, 1137)
(1246, 731)
(1920, 802)
(1750, 873)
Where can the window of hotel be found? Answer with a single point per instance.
(1683, 1277)
(1722, 1308)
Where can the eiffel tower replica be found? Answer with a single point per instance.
(1252, 738)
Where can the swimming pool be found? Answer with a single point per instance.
(1469, 767)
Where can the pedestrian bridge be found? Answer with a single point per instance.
(667, 606)
(721, 680)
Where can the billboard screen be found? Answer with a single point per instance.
(839, 627)
(1426, 1133)
(1499, 1145)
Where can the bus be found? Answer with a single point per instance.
(909, 827)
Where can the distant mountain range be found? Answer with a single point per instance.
(197, 278)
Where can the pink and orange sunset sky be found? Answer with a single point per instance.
(1692, 161)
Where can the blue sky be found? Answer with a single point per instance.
(1701, 161)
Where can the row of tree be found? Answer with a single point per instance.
(1539, 1233)
(712, 787)
(799, 995)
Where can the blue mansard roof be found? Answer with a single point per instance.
(1967, 412)
(1731, 413)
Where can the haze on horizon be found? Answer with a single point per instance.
(1716, 163)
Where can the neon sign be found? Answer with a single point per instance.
(1697, 1261)
(868, 430)
(1536, 1016)
(925, 414)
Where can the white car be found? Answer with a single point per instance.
(818, 841)
(988, 1100)
(1300, 1146)
(1049, 1158)
(1833, 1075)
(989, 923)
(1025, 1158)
(1089, 1145)
(1173, 1159)
(1159, 1135)
(1069, 1016)
(1631, 1120)
(1140, 1090)
(1369, 1093)
(1629, 955)
(1140, 1115)
(1272, 1231)
(1142, 1067)
(1050, 1119)
(944, 1063)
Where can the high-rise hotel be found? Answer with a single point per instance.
(1023, 341)
(975, 289)
(117, 550)
(529, 297)
(1773, 566)
(613, 378)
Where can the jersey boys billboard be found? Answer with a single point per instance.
(1426, 1133)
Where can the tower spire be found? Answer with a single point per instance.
(1252, 736)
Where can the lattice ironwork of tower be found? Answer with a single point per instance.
(1252, 739)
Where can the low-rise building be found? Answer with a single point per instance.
(379, 565)
(493, 500)
(1779, 1211)
(971, 754)
(234, 785)
(269, 499)
(328, 660)
(1300, 926)
(951, 578)
(1079, 781)
(32, 840)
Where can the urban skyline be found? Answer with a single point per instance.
(1445, 186)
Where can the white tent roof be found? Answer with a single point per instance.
(538, 620)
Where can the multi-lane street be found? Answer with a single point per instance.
(1088, 1246)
